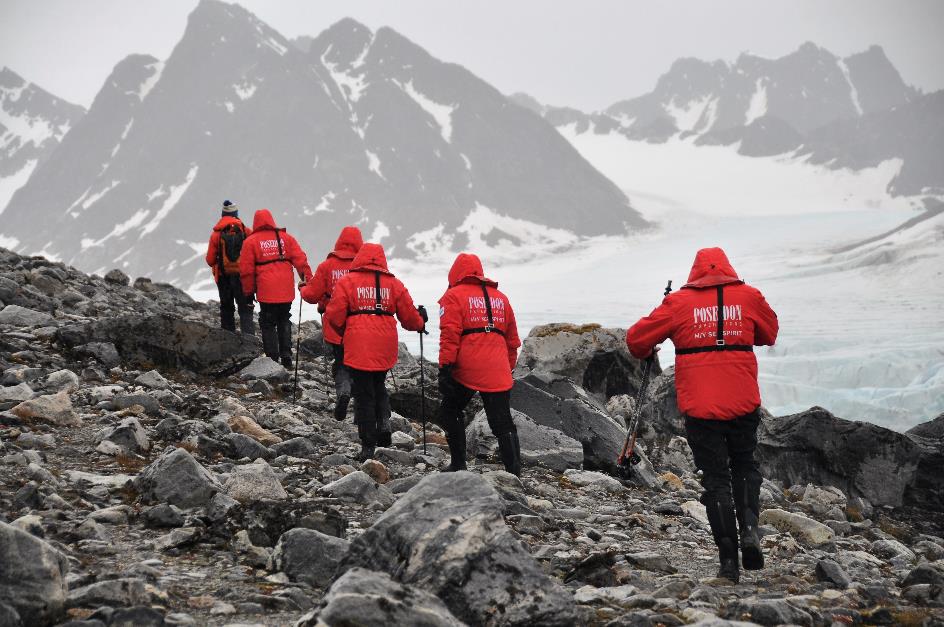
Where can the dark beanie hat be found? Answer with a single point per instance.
(229, 209)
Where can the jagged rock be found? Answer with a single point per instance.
(803, 528)
(16, 393)
(254, 482)
(932, 429)
(264, 368)
(447, 536)
(558, 403)
(296, 447)
(831, 572)
(244, 446)
(891, 549)
(152, 379)
(649, 560)
(924, 574)
(859, 458)
(365, 597)
(660, 408)
(111, 592)
(595, 358)
(183, 536)
(540, 445)
(266, 521)
(308, 556)
(163, 515)
(247, 426)
(377, 471)
(104, 352)
(172, 342)
(32, 579)
(16, 316)
(117, 277)
(178, 479)
(585, 478)
(127, 434)
(769, 612)
(62, 381)
(928, 487)
(52, 408)
(359, 488)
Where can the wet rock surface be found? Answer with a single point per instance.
(177, 492)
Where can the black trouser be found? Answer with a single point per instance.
(342, 374)
(231, 297)
(371, 407)
(497, 410)
(275, 321)
(724, 452)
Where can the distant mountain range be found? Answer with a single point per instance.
(852, 112)
(351, 126)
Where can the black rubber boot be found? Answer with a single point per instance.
(510, 451)
(246, 325)
(747, 504)
(285, 343)
(727, 553)
(270, 342)
(340, 408)
(368, 435)
(456, 452)
(723, 523)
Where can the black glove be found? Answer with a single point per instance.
(446, 382)
(423, 314)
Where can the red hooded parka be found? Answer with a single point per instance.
(213, 248)
(481, 361)
(370, 340)
(330, 271)
(267, 259)
(713, 384)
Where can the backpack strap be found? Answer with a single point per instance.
(719, 344)
(490, 327)
(378, 309)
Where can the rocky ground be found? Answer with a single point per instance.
(153, 471)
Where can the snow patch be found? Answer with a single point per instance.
(229, 106)
(175, 194)
(118, 230)
(853, 92)
(758, 104)
(25, 128)
(9, 184)
(91, 200)
(374, 164)
(149, 83)
(441, 114)
(271, 42)
(687, 115)
(324, 205)
(504, 239)
(351, 86)
(465, 160)
(245, 90)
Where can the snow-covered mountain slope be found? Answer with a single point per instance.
(32, 123)
(854, 112)
(353, 126)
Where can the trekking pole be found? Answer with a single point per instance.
(423, 389)
(324, 354)
(298, 345)
(628, 457)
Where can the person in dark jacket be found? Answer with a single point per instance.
(478, 348)
(714, 322)
(319, 291)
(362, 310)
(222, 256)
(265, 268)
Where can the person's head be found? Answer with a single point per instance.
(230, 210)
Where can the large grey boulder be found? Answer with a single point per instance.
(308, 556)
(254, 482)
(558, 403)
(359, 487)
(16, 316)
(365, 597)
(53, 408)
(32, 576)
(264, 368)
(928, 487)
(859, 458)
(172, 342)
(593, 357)
(128, 434)
(540, 445)
(178, 479)
(447, 536)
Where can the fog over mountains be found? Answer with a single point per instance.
(852, 112)
(353, 126)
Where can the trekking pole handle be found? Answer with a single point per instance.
(668, 288)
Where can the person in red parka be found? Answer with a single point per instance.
(714, 321)
(265, 268)
(319, 291)
(361, 311)
(478, 348)
(222, 255)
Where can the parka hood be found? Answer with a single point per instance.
(468, 267)
(225, 221)
(349, 243)
(263, 220)
(711, 267)
(370, 258)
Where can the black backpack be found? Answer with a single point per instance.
(231, 245)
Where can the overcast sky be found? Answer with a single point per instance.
(582, 53)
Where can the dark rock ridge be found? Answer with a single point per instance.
(136, 496)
